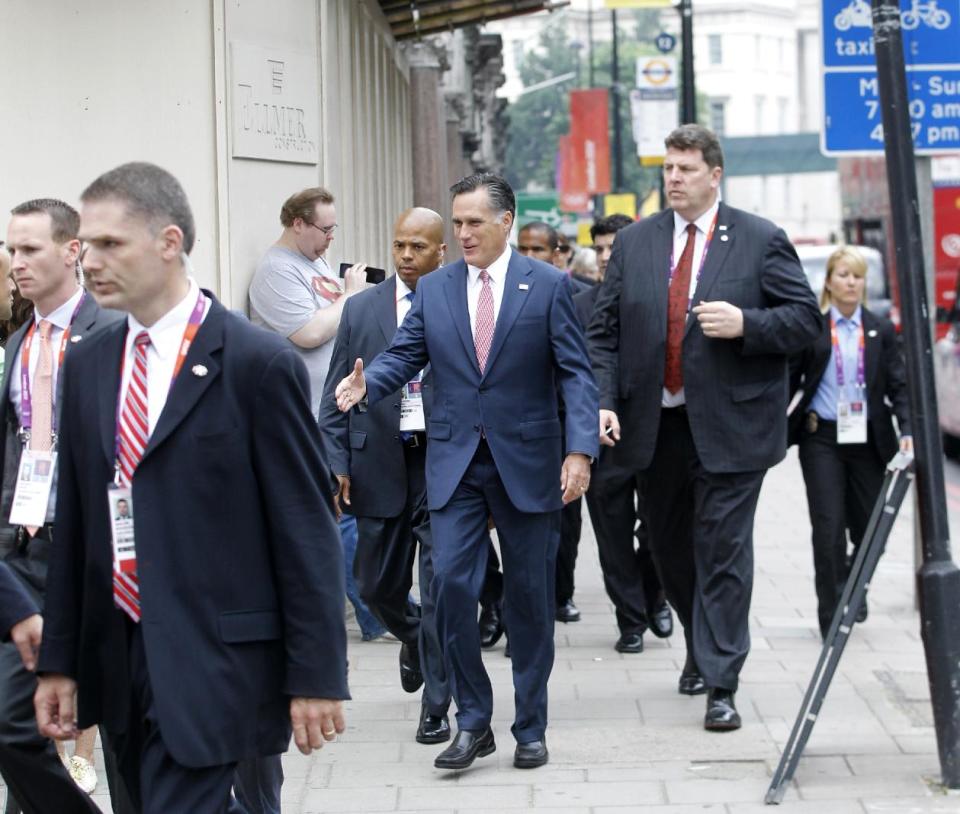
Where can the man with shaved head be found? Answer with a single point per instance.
(379, 458)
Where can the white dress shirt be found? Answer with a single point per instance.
(403, 304)
(497, 271)
(679, 242)
(166, 335)
(60, 319)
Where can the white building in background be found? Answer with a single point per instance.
(757, 63)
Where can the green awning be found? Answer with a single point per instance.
(774, 155)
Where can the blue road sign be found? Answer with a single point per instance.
(931, 45)
(665, 42)
(853, 118)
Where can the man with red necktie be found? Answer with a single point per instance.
(205, 629)
(698, 311)
(502, 338)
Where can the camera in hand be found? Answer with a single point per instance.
(374, 275)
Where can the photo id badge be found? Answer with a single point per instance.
(32, 494)
(411, 406)
(120, 506)
(851, 422)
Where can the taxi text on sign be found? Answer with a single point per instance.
(931, 45)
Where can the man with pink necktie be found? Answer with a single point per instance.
(502, 338)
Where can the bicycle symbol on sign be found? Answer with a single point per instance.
(858, 15)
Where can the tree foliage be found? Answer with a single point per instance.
(539, 118)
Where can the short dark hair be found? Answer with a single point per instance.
(303, 205)
(697, 137)
(64, 219)
(553, 239)
(609, 225)
(149, 191)
(501, 194)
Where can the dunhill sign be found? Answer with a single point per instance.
(275, 109)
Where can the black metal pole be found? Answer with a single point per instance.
(688, 103)
(938, 579)
(615, 99)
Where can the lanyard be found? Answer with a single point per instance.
(26, 400)
(838, 356)
(189, 334)
(703, 258)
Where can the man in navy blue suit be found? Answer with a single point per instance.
(502, 337)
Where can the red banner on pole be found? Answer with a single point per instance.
(573, 194)
(590, 140)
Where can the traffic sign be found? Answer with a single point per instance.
(931, 45)
(665, 42)
(541, 206)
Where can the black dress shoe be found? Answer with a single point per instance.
(629, 643)
(432, 728)
(722, 715)
(411, 679)
(567, 612)
(491, 625)
(660, 619)
(862, 612)
(530, 755)
(691, 682)
(467, 746)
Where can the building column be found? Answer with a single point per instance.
(428, 131)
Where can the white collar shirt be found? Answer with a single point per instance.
(497, 271)
(679, 242)
(166, 335)
(60, 320)
(403, 302)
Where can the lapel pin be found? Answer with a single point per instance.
(722, 227)
(871, 333)
(724, 237)
(199, 370)
(75, 338)
(524, 287)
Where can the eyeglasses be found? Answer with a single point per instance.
(327, 230)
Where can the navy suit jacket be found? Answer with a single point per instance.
(239, 558)
(886, 381)
(366, 444)
(16, 603)
(537, 351)
(736, 389)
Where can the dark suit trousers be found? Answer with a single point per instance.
(156, 782)
(843, 482)
(571, 524)
(701, 534)
(386, 549)
(528, 546)
(628, 571)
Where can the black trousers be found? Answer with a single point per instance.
(629, 574)
(843, 482)
(571, 524)
(157, 783)
(701, 534)
(383, 567)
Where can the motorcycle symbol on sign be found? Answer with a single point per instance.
(858, 15)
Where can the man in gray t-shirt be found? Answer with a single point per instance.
(295, 293)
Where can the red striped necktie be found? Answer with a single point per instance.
(134, 432)
(483, 332)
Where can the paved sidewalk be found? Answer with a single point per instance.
(622, 740)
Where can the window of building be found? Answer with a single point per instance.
(783, 107)
(718, 110)
(715, 47)
(760, 106)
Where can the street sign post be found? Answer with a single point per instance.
(931, 46)
(653, 106)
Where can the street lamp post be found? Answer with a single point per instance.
(938, 579)
(688, 102)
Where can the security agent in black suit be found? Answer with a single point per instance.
(614, 503)
(380, 469)
(702, 406)
(542, 242)
(844, 474)
(237, 638)
(42, 239)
